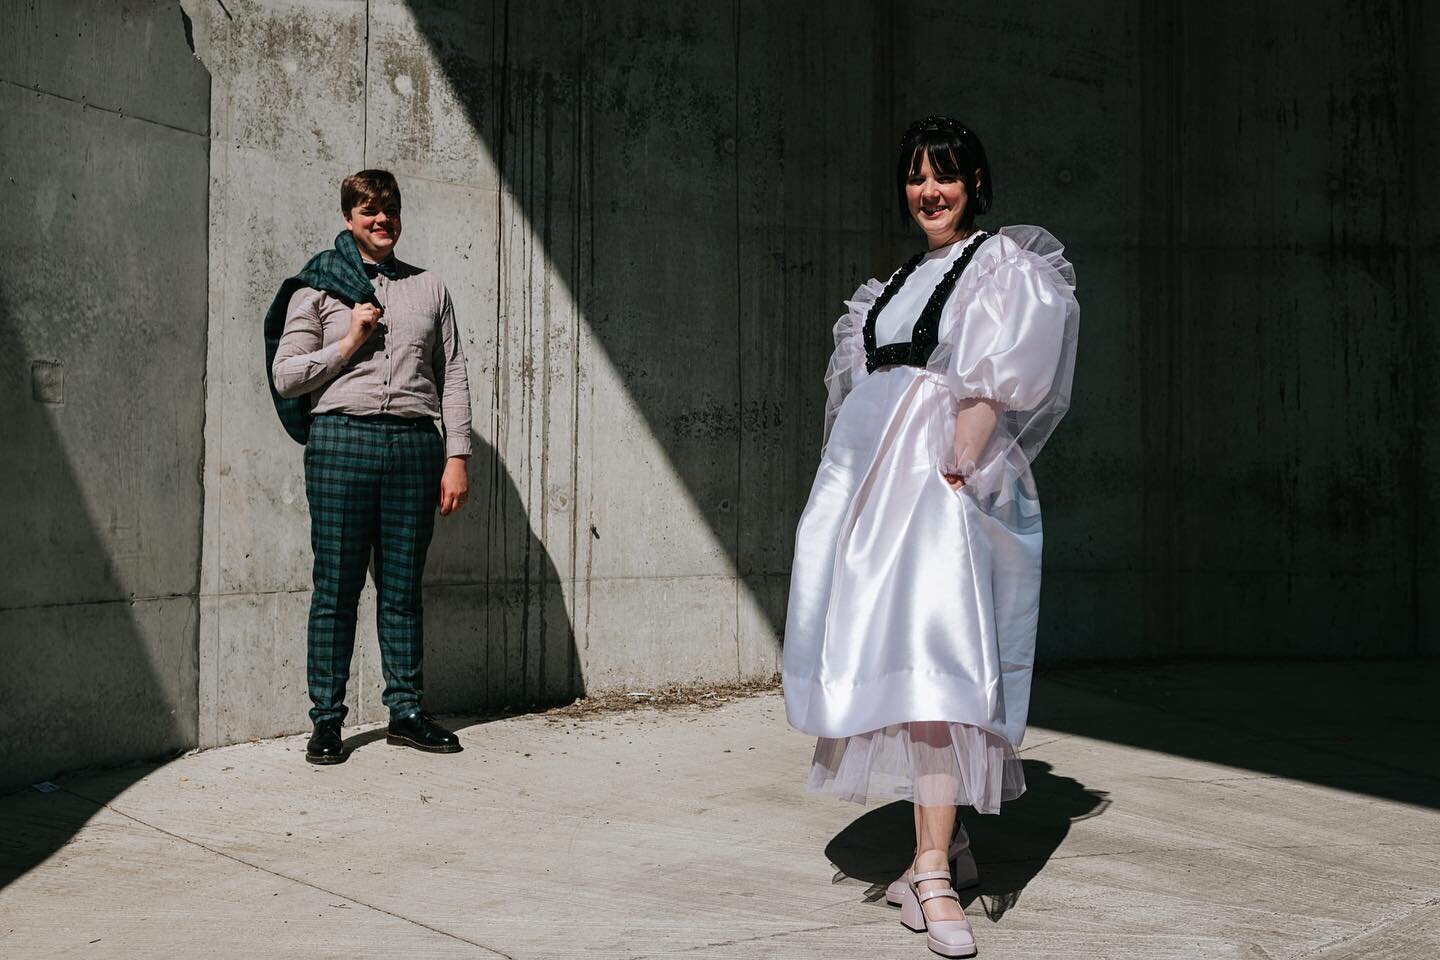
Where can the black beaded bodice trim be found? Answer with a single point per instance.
(925, 336)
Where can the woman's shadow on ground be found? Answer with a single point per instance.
(1010, 849)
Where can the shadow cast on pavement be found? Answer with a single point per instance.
(1351, 725)
(1010, 849)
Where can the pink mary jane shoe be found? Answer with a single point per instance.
(948, 938)
(962, 861)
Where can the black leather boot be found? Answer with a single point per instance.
(325, 745)
(417, 729)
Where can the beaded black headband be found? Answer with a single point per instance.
(935, 122)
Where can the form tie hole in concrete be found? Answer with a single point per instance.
(47, 381)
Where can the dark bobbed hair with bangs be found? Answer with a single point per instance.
(954, 151)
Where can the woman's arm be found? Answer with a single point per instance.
(974, 425)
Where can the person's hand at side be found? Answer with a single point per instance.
(974, 424)
(454, 486)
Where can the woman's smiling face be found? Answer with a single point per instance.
(937, 202)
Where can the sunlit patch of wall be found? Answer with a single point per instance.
(601, 548)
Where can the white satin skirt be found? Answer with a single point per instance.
(910, 635)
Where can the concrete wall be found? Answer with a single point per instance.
(1249, 467)
(648, 215)
(103, 124)
(1421, 146)
(645, 265)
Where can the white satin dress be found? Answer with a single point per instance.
(910, 635)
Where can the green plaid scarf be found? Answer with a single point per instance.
(340, 273)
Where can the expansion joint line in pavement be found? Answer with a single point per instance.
(775, 935)
(281, 876)
(1369, 928)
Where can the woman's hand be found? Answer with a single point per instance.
(974, 424)
(454, 486)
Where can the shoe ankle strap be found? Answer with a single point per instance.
(928, 895)
(932, 875)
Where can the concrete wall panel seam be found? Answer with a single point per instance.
(83, 104)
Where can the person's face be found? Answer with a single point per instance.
(375, 229)
(937, 202)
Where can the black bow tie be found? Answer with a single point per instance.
(387, 268)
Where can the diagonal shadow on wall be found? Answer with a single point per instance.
(498, 635)
(103, 135)
(701, 223)
(93, 676)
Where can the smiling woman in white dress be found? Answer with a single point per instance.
(915, 590)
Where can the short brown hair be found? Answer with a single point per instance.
(377, 187)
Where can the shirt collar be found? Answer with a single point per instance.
(388, 268)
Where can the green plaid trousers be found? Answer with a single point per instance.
(373, 484)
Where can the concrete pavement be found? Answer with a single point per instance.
(685, 832)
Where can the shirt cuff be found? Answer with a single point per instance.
(457, 445)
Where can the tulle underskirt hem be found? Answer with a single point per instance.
(931, 763)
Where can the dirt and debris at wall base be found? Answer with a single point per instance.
(665, 698)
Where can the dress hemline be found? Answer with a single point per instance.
(927, 763)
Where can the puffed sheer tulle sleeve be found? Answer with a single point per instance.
(847, 363)
(1009, 336)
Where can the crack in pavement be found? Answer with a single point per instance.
(1380, 924)
(281, 876)
(1045, 743)
(758, 938)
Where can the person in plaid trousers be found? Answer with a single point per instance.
(371, 342)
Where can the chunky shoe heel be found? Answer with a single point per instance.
(912, 915)
(948, 938)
